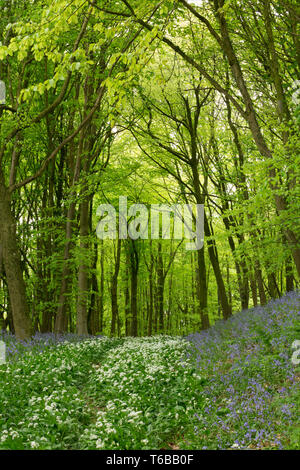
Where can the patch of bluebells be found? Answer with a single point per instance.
(16, 348)
(252, 387)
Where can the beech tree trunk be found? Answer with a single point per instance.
(253, 290)
(12, 266)
(114, 290)
(160, 289)
(127, 303)
(213, 256)
(150, 317)
(83, 271)
(61, 320)
(134, 264)
(289, 276)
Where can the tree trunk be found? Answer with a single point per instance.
(83, 271)
(201, 289)
(61, 320)
(201, 268)
(160, 289)
(134, 263)
(114, 290)
(150, 317)
(12, 266)
(213, 256)
(253, 290)
(101, 293)
(261, 289)
(289, 276)
(127, 304)
(93, 317)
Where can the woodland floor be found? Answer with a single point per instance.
(233, 386)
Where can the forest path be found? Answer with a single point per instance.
(140, 395)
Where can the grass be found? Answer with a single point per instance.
(233, 386)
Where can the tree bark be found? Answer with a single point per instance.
(134, 264)
(114, 290)
(213, 256)
(12, 266)
(160, 288)
(150, 317)
(83, 271)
